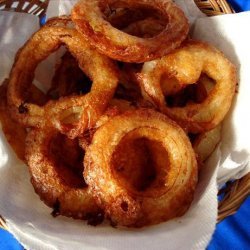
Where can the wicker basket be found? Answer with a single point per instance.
(235, 192)
(35, 7)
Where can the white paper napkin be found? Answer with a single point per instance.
(15, 29)
(30, 220)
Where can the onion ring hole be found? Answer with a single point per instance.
(139, 164)
(67, 156)
(68, 78)
(179, 95)
(140, 21)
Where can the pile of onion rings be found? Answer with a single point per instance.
(133, 111)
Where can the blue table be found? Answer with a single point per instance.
(234, 232)
(240, 5)
(231, 234)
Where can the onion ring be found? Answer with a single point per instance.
(89, 20)
(73, 114)
(186, 65)
(168, 196)
(54, 174)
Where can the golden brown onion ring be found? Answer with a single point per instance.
(55, 165)
(73, 114)
(171, 192)
(89, 20)
(186, 65)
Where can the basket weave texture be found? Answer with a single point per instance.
(35, 7)
(235, 192)
(214, 7)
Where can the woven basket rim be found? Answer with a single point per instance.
(235, 192)
(35, 7)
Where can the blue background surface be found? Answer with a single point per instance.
(232, 234)
(240, 5)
